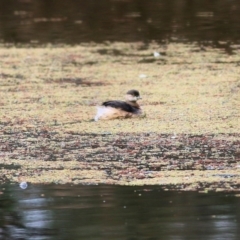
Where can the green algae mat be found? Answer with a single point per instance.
(188, 140)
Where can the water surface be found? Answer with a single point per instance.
(73, 22)
(116, 212)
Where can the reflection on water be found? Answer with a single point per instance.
(118, 20)
(115, 212)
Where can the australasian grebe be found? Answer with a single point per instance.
(120, 109)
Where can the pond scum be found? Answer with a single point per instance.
(189, 139)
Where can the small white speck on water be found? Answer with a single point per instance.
(142, 76)
(174, 135)
(23, 185)
(156, 54)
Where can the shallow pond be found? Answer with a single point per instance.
(72, 22)
(116, 212)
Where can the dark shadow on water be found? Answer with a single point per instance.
(115, 212)
(76, 81)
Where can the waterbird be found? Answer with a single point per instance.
(120, 109)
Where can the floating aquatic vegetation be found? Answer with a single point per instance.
(189, 137)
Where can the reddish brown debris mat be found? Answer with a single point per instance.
(183, 161)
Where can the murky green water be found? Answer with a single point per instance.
(72, 22)
(115, 212)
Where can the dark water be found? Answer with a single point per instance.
(75, 21)
(115, 212)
